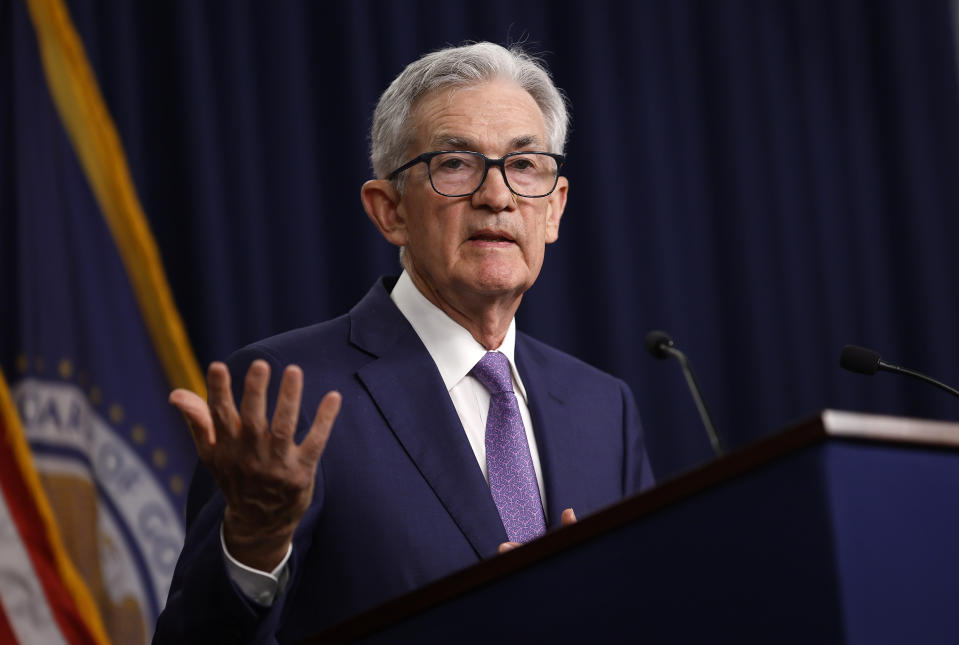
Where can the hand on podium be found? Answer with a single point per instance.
(568, 517)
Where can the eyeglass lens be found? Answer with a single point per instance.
(460, 173)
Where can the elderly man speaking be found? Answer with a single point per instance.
(421, 432)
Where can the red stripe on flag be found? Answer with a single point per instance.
(6, 631)
(33, 535)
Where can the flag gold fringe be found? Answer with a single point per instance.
(90, 127)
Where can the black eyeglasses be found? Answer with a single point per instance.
(459, 173)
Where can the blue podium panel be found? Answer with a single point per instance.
(839, 530)
(896, 526)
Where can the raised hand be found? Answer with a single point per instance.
(266, 478)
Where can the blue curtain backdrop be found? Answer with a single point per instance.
(767, 180)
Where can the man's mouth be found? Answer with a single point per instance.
(492, 237)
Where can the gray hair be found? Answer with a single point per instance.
(390, 136)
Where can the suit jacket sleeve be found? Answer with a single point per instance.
(204, 605)
(637, 473)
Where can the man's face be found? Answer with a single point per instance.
(489, 244)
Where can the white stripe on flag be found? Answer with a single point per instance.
(22, 597)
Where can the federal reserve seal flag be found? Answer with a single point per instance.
(94, 463)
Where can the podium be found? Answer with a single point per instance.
(840, 529)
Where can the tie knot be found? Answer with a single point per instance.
(493, 372)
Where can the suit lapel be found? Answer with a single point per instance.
(409, 392)
(556, 439)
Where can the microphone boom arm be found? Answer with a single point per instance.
(922, 377)
(697, 397)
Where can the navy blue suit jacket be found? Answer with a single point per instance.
(400, 500)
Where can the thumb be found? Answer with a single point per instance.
(197, 415)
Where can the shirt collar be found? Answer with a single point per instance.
(451, 346)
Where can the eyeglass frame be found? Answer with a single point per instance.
(427, 157)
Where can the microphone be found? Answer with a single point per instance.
(867, 361)
(661, 346)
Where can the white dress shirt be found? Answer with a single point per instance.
(455, 352)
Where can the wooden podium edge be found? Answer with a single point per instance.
(835, 424)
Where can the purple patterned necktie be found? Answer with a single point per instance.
(512, 480)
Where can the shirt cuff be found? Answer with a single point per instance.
(261, 587)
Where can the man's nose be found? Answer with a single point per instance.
(493, 193)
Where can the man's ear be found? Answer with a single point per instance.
(555, 208)
(381, 201)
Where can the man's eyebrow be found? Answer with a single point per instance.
(452, 142)
(525, 141)
(456, 142)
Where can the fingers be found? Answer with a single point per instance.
(315, 441)
(222, 408)
(249, 423)
(253, 404)
(287, 408)
(568, 517)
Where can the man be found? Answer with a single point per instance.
(456, 436)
